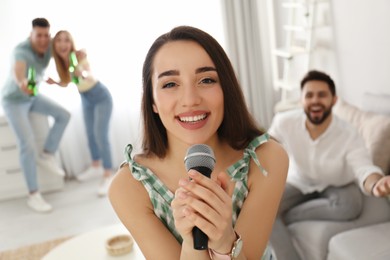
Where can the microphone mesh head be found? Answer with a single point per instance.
(199, 155)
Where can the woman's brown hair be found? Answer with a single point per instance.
(238, 127)
(61, 65)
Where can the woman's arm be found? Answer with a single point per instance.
(132, 204)
(51, 81)
(83, 69)
(258, 213)
(81, 54)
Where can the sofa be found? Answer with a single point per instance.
(368, 236)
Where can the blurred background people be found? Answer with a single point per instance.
(18, 101)
(72, 66)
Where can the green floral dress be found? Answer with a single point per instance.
(161, 197)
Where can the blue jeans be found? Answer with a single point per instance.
(97, 110)
(18, 118)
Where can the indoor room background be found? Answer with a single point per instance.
(117, 34)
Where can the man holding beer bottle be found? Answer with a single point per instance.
(19, 99)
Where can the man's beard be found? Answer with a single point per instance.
(318, 120)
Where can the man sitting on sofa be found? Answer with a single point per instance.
(328, 158)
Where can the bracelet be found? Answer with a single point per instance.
(373, 186)
(235, 251)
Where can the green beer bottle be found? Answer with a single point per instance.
(31, 82)
(72, 67)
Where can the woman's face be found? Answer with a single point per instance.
(63, 45)
(187, 93)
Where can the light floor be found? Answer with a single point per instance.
(77, 209)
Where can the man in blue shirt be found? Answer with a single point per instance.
(18, 102)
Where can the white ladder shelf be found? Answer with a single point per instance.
(299, 45)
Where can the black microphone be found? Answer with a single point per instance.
(200, 157)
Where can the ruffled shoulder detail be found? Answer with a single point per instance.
(239, 170)
(139, 172)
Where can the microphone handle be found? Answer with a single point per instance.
(201, 239)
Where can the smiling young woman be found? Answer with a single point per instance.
(192, 96)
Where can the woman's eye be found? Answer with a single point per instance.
(208, 81)
(169, 85)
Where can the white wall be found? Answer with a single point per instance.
(118, 32)
(362, 36)
(322, 55)
(359, 41)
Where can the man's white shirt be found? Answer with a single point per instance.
(337, 157)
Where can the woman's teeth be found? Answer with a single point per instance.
(192, 119)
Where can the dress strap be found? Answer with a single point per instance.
(139, 173)
(251, 150)
(239, 170)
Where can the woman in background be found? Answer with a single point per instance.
(192, 96)
(96, 102)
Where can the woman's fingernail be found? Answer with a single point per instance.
(183, 182)
(192, 173)
(182, 195)
(186, 212)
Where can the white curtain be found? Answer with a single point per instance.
(248, 47)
